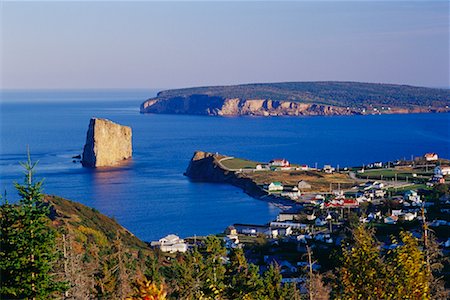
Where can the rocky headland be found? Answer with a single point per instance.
(299, 99)
(205, 167)
(107, 144)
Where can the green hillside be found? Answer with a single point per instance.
(334, 93)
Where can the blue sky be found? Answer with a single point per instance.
(178, 44)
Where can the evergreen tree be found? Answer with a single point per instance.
(408, 271)
(273, 289)
(244, 281)
(362, 274)
(28, 249)
(214, 253)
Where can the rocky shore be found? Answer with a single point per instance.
(205, 167)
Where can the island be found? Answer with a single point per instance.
(107, 144)
(299, 99)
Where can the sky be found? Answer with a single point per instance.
(149, 44)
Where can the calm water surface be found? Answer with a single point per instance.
(150, 196)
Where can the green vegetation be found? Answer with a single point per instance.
(208, 272)
(237, 163)
(404, 272)
(28, 245)
(353, 94)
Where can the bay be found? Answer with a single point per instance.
(150, 196)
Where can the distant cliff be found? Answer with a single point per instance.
(299, 99)
(107, 144)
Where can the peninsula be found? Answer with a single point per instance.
(299, 99)
(281, 181)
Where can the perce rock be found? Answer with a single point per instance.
(107, 144)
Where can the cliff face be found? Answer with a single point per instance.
(218, 106)
(107, 144)
(204, 167)
(318, 98)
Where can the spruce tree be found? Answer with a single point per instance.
(28, 249)
(362, 274)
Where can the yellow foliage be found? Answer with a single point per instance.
(147, 290)
(99, 238)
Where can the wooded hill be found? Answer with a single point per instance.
(343, 94)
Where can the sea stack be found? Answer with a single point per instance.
(107, 144)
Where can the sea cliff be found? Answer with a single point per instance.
(299, 99)
(205, 167)
(107, 144)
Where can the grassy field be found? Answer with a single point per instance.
(237, 163)
(319, 181)
(402, 174)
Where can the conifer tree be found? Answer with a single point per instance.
(408, 271)
(362, 274)
(28, 249)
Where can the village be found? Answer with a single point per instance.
(408, 195)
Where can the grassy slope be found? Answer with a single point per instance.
(330, 93)
(74, 216)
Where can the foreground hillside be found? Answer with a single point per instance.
(299, 98)
(101, 257)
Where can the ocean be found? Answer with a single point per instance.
(150, 196)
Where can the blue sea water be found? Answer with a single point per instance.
(150, 196)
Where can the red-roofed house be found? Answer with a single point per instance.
(279, 162)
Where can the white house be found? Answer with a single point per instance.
(275, 186)
(328, 169)
(442, 170)
(279, 162)
(171, 243)
(412, 195)
(431, 156)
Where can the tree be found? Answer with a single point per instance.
(408, 271)
(243, 279)
(147, 290)
(362, 274)
(273, 288)
(28, 247)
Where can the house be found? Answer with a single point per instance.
(231, 230)
(304, 167)
(231, 242)
(171, 243)
(442, 170)
(303, 185)
(437, 179)
(275, 186)
(288, 215)
(252, 229)
(279, 162)
(328, 169)
(430, 156)
(409, 216)
(412, 195)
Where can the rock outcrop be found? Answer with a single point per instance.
(107, 144)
